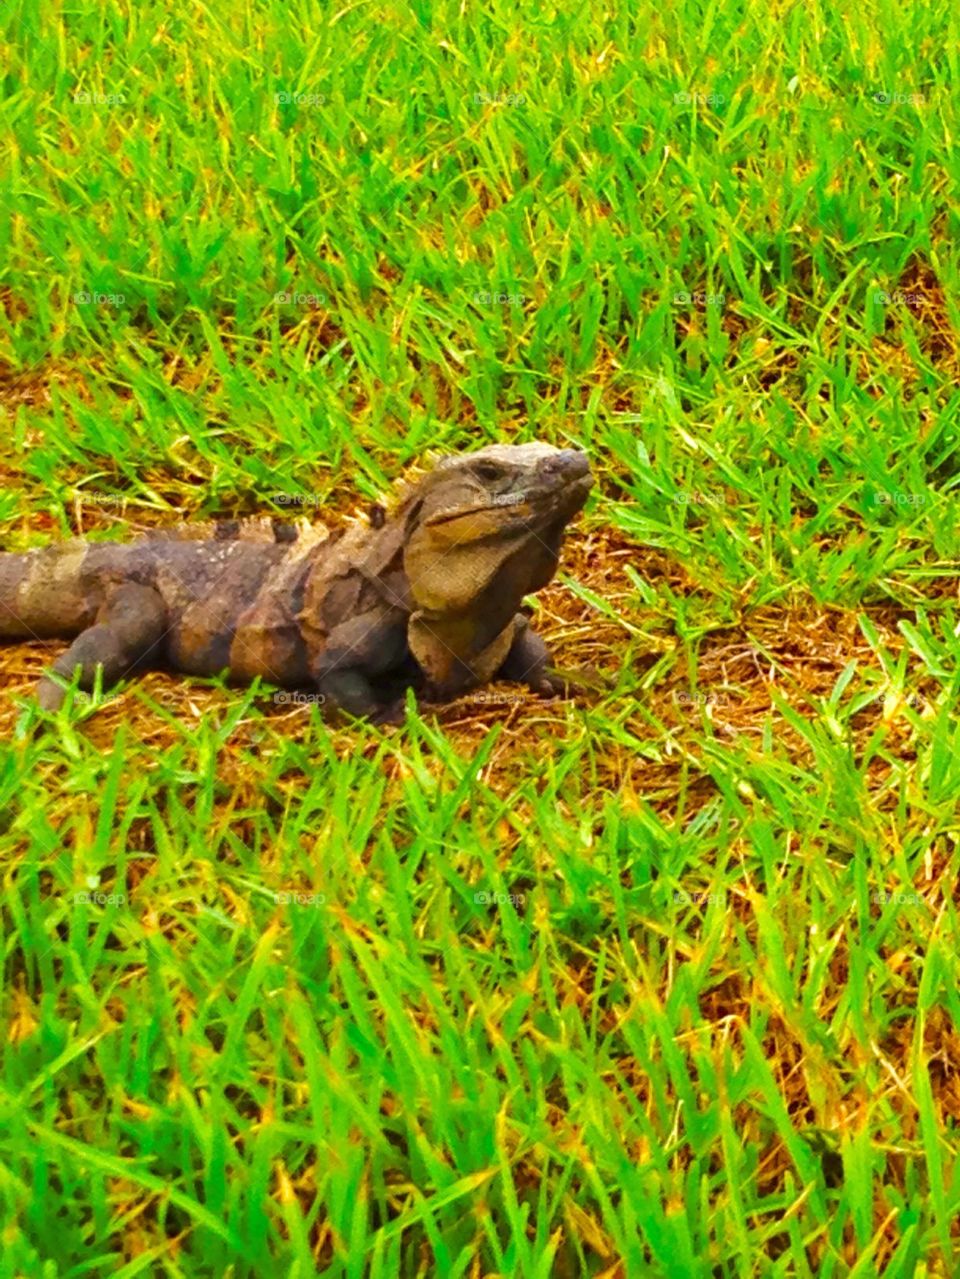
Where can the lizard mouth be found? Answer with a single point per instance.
(563, 483)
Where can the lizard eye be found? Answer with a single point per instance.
(488, 471)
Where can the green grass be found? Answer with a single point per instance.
(448, 999)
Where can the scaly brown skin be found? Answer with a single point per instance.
(427, 597)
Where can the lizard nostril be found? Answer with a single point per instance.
(570, 462)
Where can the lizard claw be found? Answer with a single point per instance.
(50, 696)
(551, 686)
(390, 713)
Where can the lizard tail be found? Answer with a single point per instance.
(41, 596)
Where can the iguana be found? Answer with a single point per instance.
(425, 595)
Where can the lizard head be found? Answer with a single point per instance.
(484, 529)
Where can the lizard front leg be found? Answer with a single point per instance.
(526, 662)
(356, 653)
(129, 626)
